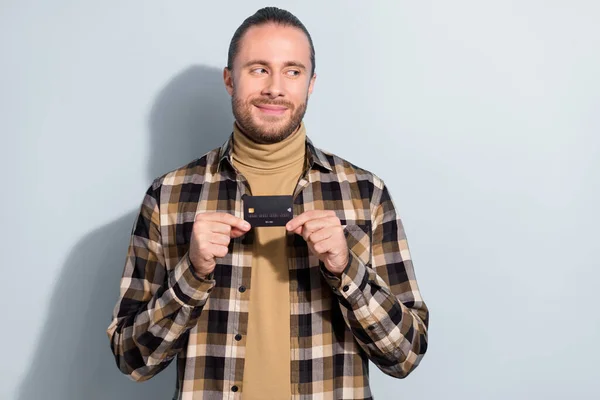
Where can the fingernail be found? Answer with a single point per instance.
(246, 225)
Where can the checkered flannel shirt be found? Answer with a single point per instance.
(165, 311)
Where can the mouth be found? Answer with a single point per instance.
(270, 109)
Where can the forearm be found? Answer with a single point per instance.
(392, 333)
(146, 335)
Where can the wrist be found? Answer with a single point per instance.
(197, 272)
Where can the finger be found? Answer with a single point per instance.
(306, 232)
(316, 224)
(218, 227)
(330, 245)
(236, 233)
(323, 246)
(324, 234)
(225, 229)
(220, 239)
(218, 250)
(310, 226)
(224, 218)
(306, 216)
(302, 218)
(211, 250)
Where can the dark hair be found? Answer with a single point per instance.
(264, 16)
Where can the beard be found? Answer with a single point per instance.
(274, 128)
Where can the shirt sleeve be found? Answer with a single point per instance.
(156, 307)
(380, 299)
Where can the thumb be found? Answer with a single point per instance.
(236, 232)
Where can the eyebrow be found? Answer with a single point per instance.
(286, 64)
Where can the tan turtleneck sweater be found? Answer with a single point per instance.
(271, 169)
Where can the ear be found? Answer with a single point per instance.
(228, 80)
(311, 84)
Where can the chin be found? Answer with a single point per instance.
(271, 124)
(273, 135)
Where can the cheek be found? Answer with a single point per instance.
(299, 93)
(247, 89)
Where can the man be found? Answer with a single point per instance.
(273, 312)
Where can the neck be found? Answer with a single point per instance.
(269, 156)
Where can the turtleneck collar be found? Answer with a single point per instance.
(271, 156)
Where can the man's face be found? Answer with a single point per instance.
(270, 82)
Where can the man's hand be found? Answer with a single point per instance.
(211, 234)
(324, 234)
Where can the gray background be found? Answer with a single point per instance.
(481, 116)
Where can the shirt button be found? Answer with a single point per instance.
(371, 327)
(242, 289)
(346, 288)
(234, 388)
(238, 337)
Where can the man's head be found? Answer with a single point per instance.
(270, 74)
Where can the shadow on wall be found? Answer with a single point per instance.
(72, 359)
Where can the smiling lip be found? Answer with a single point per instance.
(270, 109)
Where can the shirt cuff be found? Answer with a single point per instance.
(352, 281)
(188, 287)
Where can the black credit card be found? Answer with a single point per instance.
(268, 210)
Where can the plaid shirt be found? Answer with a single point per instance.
(373, 312)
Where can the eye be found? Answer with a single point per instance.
(293, 72)
(259, 70)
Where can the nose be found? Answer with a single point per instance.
(273, 87)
